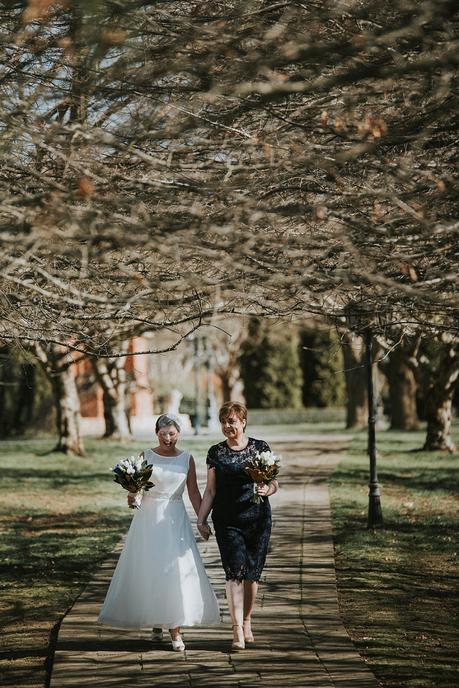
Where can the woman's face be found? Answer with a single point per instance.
(167, 437)
(232, 426)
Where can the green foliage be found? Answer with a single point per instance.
(270, 367)
(322, 365)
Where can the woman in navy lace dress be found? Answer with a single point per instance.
(242, 528)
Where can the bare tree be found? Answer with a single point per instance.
(352, 347)
(437, 369)
(111, 375)
(168, 161)
(403, 385)
(58, 366)
(225, 347)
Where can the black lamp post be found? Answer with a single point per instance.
(375, 518)
(363, 321)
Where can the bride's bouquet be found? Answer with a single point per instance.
(133, 474)
(262, 468)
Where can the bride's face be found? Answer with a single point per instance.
(167, 437)
(233, 426)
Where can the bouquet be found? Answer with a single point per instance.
(262, 468)
(133, 474)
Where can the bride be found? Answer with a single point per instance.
(160, 580)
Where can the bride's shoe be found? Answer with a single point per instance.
(238, 644)
(157, 635)
(248, 635)
(178, 645)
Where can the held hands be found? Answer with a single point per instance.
(204, 530)
(130, 499)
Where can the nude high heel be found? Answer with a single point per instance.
(248, 635)
(238, 644)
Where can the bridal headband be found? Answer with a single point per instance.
(168, 419)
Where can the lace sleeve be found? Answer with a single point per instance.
(211, 459)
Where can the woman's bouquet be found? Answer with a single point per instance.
(133, 474)
(262, 468)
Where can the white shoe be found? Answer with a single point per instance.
(178, 645)
(157, 635)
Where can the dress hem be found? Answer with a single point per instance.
(157, 624)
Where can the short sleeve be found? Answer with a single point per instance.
(211, 459)
(263, 446)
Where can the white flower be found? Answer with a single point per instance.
(268, 458)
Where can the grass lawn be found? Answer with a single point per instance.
(398, 586)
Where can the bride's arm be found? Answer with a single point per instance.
(206, 504)
(192, 486)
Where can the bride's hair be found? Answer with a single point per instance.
(167, 419)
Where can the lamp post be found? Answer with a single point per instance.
(360, 320)
(375, 518)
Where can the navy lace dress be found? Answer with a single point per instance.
(242, 528)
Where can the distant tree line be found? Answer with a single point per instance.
(273, 367)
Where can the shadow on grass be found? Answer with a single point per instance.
(57, 549)
(430, 478)
(398, 585)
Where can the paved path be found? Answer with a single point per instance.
(300, 640)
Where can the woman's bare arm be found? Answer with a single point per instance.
(206, 504)
(192, 486)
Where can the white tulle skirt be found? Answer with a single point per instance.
(160, 579)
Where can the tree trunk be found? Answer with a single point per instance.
(356, 382)
(402, 391)
(438, 401)
(25, 398)
(6, 383)
(115, 416)
(58, 366)
(111, 375)
(226, 385)
(67, 412)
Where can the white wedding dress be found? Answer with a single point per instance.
(160, 579)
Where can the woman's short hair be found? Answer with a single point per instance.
(167, 419)
(235, 407)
